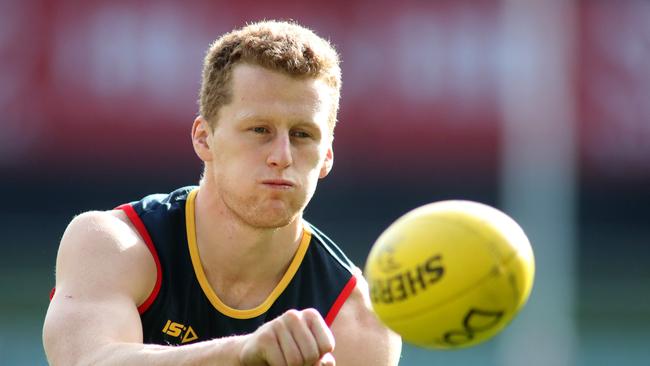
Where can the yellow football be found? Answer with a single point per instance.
(450, 274)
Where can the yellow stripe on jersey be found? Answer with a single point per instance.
(205, 285)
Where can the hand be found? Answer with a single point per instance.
(296, 338)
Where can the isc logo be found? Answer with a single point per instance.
(178, 330)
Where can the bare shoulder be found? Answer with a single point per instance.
(103, 272)
(360, 337)
(102, 250)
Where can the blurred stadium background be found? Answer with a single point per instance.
(541, 108)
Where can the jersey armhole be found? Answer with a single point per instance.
(340, 300)
(144, 233)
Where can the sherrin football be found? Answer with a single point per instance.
(450, 274)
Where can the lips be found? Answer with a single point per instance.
(278, 183)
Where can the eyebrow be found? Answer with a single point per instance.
(247, 116)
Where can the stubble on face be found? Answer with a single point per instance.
(239, 167)
(259, 210)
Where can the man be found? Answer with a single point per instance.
(227, 273)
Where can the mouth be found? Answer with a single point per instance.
(278, 183)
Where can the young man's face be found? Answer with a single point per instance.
(270, 145)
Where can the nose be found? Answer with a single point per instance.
(280, 153)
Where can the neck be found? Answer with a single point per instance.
(241, 253)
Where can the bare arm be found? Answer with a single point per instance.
(104, 271)
(361, 339)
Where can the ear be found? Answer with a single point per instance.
(327, 163)
(201, 134)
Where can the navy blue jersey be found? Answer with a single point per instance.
(183, 307)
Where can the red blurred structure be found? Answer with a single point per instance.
(117, 81)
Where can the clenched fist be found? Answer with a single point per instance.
(296, 338)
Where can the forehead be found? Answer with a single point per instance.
(257, 90)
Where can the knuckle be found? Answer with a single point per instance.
(292, 316)
(311, 314)
(292, 313)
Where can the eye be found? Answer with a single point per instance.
(260, 130)
(300, 134)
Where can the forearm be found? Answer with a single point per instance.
(223, 351)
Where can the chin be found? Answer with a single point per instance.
(271, 222)
(270, 218)
(271, 214)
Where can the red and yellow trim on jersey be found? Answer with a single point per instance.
(144, 233)
(340, 300)
(205, 285)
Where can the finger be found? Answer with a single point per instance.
(262, 348)
(270, 348)
(303, 337)
(320, 330)
(273, 355)
(326, 360)
(288, 344)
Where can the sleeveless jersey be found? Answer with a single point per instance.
(183, 308)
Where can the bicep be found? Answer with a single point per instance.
(100, 277)
(75, 328)
(360, 337)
